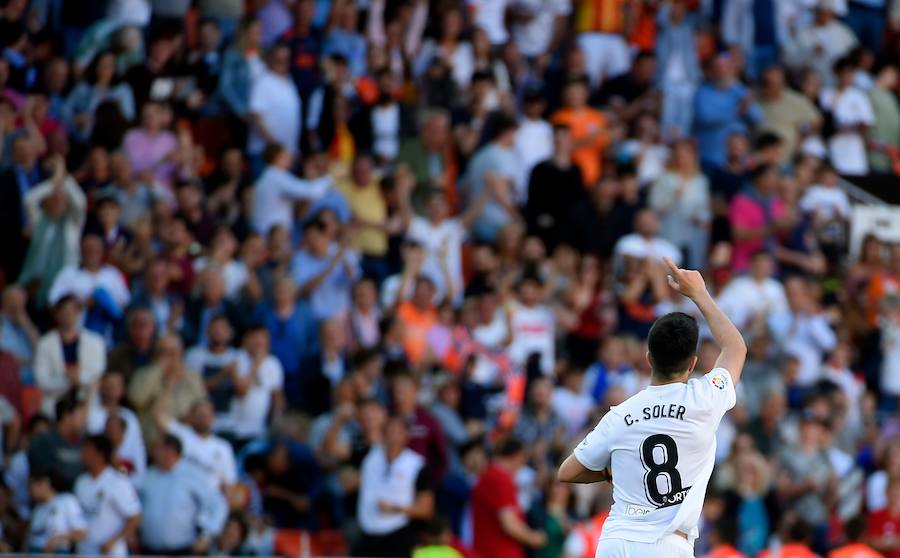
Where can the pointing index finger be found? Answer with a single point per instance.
(672, 267)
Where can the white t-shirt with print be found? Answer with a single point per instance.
(533, 332)
(108, 502)
(212, 455)
(660, 445)
(249, 413)
(59, 516)
(449, 232)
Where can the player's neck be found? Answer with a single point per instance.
(658, 381)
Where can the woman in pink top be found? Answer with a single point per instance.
(753, 213)
(151, 148)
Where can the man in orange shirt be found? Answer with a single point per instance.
(854, 529)
(418, 315)
(588, 128)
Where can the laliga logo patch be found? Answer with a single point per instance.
(719, 381)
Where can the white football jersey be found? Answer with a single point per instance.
(660, 445)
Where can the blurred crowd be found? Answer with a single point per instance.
(352, 277)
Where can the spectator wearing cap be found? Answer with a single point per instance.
(588, 128)
(182, 512)
(109, 500)
(57, 451)
(721, 105)
(67, 357)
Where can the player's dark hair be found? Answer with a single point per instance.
(672, 343)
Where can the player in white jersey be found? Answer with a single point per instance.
(658, 447)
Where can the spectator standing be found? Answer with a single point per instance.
(216, 362)
(58, 521)
(395, 490)
(18, 334)
(57, 452)
(588, 128)
(275, 109)
(885, 131)
(324, 270)
(109, 501)
(722, 104)
(498, 521)
(786, 113)
(67, 357)
(681, 198)
(183, 512)
(852, 114)
(258, 383)
(108, 405)
(679, 70)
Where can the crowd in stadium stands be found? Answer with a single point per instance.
(351, 277)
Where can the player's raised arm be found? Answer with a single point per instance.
(733, 349)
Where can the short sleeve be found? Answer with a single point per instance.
(499, 493)
(126, 500)
(717, 389)
(74, 515)
(594, 451)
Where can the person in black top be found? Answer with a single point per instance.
(555, 186)
(628, 95)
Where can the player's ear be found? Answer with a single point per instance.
(693, 364)
(649, 360)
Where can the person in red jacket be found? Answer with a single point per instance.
(884, 525)
(498, 523)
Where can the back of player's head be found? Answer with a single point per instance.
(672, 343)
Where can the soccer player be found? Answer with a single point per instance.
(660, 444)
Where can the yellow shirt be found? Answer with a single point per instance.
(367, 204)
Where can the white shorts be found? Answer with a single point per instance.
(670, 546)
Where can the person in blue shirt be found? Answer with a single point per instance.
(325, 270)
(183, 513)
(293, 334)
(722, 105)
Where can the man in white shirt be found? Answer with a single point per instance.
(803, 331)
(258, 382)
(644, 242)
(96, 282)
(532, 326)
(275, 106)
(660, 444)
(755, 295)
(109, 500)
(534, 140)
(277, 189)
(210, 454)
(538, 25)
